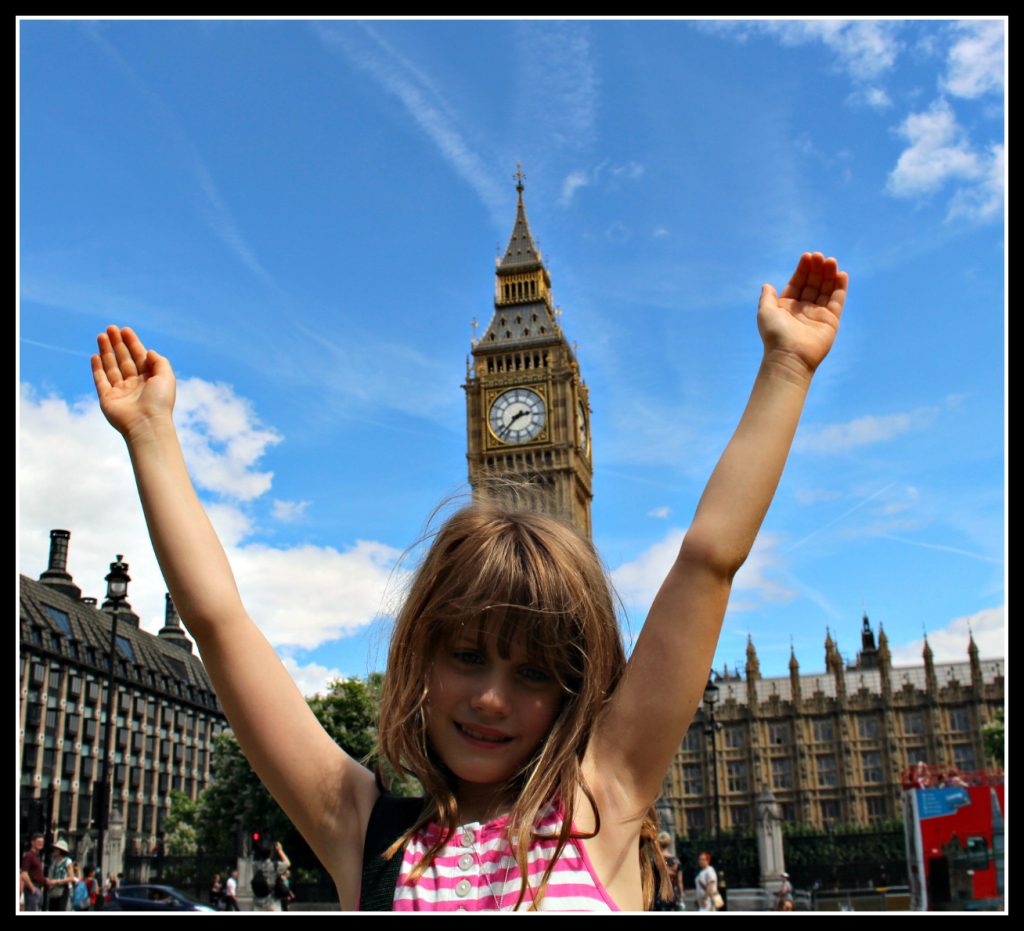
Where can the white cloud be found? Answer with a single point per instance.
(983, 200)
(307, 595)
(302, 596)
(312, 679)
(573, 181)
(976, 60)
(864, 49)
(873, 97)
(938, 152)
(612, 174)
(661, 512)
(638, 581)
(863, 431)
(949, 643)
(221, 439)
(660, 231)
(289, 512)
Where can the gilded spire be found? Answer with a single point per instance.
(521, 251)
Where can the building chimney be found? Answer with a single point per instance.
(56, 575)
(171, 632)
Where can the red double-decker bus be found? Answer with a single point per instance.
(954, 828)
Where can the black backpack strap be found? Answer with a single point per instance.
(391, 817)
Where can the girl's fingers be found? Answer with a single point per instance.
(99, 376)
(135, 347)
(124, 358)
(108, 360)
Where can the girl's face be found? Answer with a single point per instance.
(487, 715)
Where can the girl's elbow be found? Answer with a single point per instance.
(705, 551)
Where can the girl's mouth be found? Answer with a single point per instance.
(478, 737)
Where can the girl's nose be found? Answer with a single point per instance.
(491, 699)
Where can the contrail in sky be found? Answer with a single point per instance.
(843, 516)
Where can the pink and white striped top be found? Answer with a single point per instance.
(476, 872)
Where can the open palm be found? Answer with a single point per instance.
(803, 320)
(134, 384)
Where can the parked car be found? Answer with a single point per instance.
(153, 899)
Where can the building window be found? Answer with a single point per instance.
(823, 731)
(38, 673)
(826, 770)
(693, 784)
(867, 726)
(871, 765)
(876, 809)
(55, 675)
(693, 738)
(789, 812)
(737, 777)
(60, 618)
(740, 817)
(782, 773)
(778, 733)
(695, 821)
(959, 720)
(913, 723)
(915, 755)
(735, 737)
(963, 756)
(829, 809)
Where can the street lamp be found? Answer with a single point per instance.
(710, 728)
(117, 592)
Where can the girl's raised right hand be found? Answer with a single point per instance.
(135, 385)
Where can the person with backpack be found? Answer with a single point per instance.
(265, 874)
(83, 898)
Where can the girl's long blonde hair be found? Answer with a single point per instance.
(526, 577)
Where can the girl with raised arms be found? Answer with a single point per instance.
(507, 692)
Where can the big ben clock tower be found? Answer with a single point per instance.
(527, 411)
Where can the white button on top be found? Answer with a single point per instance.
(466, 861)
(462, 888)
(467, 839)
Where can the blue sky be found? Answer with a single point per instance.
(304, 217)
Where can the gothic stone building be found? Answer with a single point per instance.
(166, 713)
(527, 407)
(831, 746)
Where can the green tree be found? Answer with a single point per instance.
(993, 735)
(181, 838)
(237, 800)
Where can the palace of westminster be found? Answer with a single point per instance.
(829, 745)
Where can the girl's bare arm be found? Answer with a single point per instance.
(654, 704)
(325, 793)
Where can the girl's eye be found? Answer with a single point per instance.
(469, 657)
(534, 674)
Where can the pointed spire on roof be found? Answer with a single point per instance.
(927, 651)
(972, 647)
(521, 250)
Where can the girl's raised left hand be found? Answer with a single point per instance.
(799, 325)
(135, 385)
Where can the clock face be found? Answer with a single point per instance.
(517, 416)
